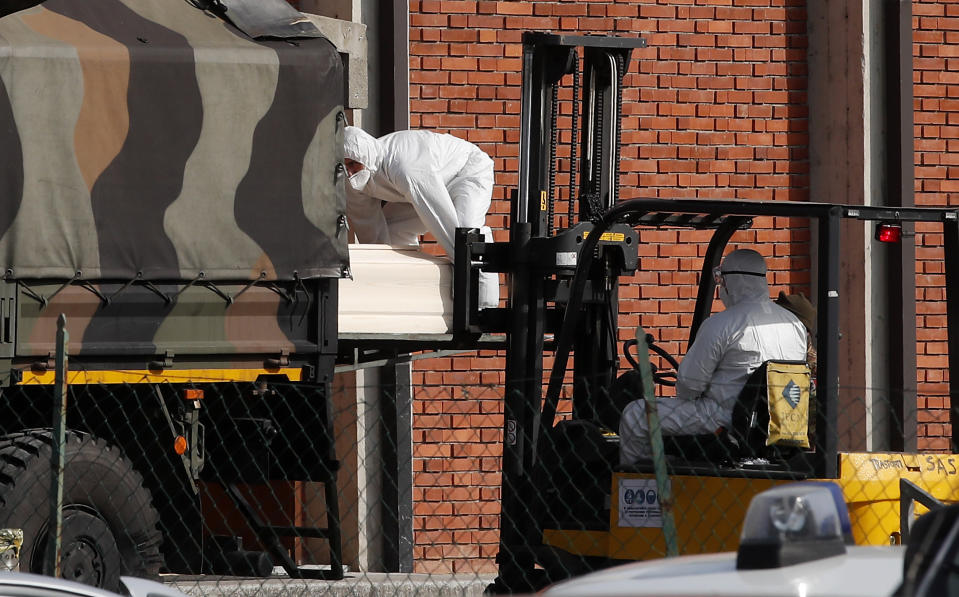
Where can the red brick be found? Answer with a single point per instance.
(432, 567)
(428, 20)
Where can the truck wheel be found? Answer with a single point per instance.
(109, 522)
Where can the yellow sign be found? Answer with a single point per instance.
(611, 237)
(542, 201)
(787, 393)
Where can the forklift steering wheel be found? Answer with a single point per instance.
(666, 377)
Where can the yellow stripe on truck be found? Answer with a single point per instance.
(138, 376)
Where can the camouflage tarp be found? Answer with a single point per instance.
(149, 138)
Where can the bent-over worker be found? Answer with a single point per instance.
(730, 345)
(407, 183)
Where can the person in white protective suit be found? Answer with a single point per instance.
(730, 345)
(407, 183)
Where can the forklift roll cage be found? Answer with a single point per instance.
(725, 217)
(565, 283)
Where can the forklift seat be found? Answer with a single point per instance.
(774, 415)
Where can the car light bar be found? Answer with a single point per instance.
(791, 524)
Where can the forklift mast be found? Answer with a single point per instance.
(541, 261)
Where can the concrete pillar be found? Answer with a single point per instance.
(369, 472)
(385, 60)
(856, 121)
(876, 300)
(837, 174)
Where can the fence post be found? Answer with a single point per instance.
(656, 441)
(55, 534)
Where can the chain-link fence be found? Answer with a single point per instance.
(168, 477)
(267, 484)
(249, 479)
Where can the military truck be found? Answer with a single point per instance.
(172, 184)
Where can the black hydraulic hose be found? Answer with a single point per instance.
(611, 327)
(574, 134)
(567, 331)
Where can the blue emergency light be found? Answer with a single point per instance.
(795, 523)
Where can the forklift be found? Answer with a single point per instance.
(568, 507)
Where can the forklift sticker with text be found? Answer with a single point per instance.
(566, 258)
(639, 503)
(609, 237)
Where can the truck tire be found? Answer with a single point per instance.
(109, 522)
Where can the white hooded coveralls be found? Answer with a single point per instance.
(730, 345)
(429, 182)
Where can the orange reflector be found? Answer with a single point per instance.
(192, 394)
(179, 445)
(888, 233)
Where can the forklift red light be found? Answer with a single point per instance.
(888, 233)
(180, 445)
(192, 394)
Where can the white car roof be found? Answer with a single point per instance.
(136, 587)
(863, 571)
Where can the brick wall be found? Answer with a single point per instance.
(936, 89)
(715, 107)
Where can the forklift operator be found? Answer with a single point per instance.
(406, 183)
(730, 345)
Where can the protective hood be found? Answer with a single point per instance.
(362, 147)
(744, 276)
